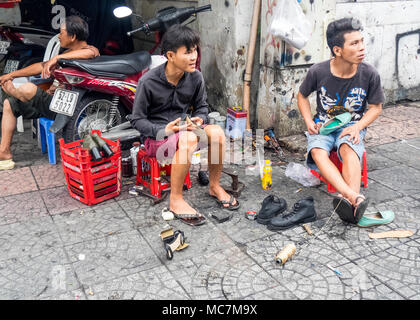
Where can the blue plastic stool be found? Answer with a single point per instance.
(47, 139)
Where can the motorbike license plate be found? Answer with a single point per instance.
(3, 47)
(64, 101)
(11, 65)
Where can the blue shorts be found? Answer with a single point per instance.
(331, 141)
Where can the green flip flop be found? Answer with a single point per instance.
(376, 219)
(335, 123)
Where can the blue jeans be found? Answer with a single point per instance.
(332, 141)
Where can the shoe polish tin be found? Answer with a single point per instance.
(251, 215)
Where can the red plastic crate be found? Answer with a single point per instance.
(154, 176)
(88, 181)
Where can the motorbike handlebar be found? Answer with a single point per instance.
(142, 28)
(168, 17)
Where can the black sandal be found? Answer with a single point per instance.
(361, 208)
(229, 202)
(344, 209)
(191, 219)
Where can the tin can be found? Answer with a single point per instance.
(220, 121)
(251, 215)
(212, 117)
(127, 167)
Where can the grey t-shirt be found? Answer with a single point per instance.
(337, 95)
(158, 102)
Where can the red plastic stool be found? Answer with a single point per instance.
(152, 175)
(334, 158)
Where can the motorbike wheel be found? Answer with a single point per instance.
(91, 113)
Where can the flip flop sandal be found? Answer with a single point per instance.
(344, 209)
(361, 208)
(376, 219)
(191, 219)
(7, 164)
(229, 202)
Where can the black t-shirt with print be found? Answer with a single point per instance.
(337, 95)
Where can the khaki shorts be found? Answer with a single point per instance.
(37, 107)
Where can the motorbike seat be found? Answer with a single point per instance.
(119, 66)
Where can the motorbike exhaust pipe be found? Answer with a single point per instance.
(123, 135)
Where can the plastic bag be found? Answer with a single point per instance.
(290, 23)
(301, 174)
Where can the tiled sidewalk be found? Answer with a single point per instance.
(55, 247)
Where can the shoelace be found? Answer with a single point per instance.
(295, 209)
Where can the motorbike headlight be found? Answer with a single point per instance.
(74, 79)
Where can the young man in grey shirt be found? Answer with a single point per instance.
(342, 84)
(163, 98)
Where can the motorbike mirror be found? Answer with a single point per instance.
(122, 12)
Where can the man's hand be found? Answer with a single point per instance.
(313, 128)
(46, 70)
(195, 122)
(173, 127)
(6, 77)
(353, 132)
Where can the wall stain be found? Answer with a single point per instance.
(397, 49)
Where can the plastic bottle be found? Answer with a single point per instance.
(90, 144)
(133, 153)
(103, 145)
(266, 179)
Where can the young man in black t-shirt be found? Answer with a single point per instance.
(342, 84)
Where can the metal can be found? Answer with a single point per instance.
(251, 215)
(127, 167)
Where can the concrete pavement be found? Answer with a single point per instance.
(54, 247)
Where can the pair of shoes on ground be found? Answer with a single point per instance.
(7, 164)
(303, 211)
(356, 215)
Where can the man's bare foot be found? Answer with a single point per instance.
(181, 207)
(355, 199)
(4, 155)
(221, 195)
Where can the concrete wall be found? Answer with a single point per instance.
(392, 37)
(283, 67)
(392, 33)
(224, 35)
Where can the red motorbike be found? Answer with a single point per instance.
(99, 93)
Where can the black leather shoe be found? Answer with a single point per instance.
(271, 206)
(303, 211)
(202, 178)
